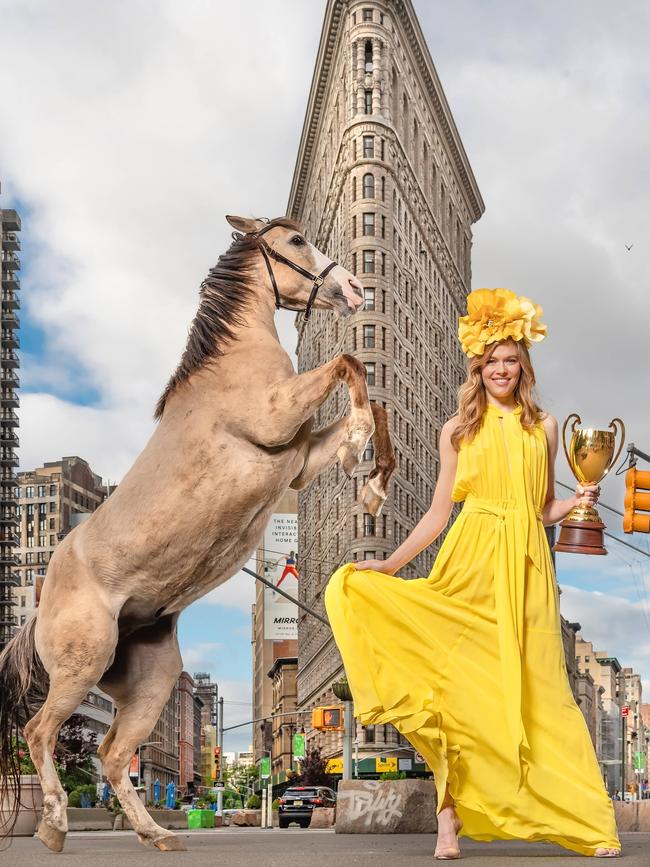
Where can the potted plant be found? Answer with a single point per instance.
(28, 810)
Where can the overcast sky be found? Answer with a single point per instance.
(128, 129)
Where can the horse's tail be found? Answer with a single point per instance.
(22, 679)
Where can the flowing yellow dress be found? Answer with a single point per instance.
(468, 663)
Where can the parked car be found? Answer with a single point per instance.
(298, 802)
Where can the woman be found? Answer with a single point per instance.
(468, 663)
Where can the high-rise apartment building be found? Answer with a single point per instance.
(383, 185)
(190, 707)
(52, 500)
(9, 363)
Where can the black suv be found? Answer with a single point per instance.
(297, 803)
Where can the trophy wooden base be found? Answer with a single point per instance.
(581, 537)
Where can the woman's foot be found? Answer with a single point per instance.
(449, 826)
(607, 852)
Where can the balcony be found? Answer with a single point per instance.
(10, 280)
(8, 415)
(8, 478)
(8, 438)
(10, 300)
(9, 538)
(9, 579)
(8, 517)
(10, 220)
(9, 359)
(9, 320)
(8, 398)
(10, 241)
(8, 619)
(7, 559)
(8, 379)
(8, 458)
(10, 261)
(6, 598)
(9, 340)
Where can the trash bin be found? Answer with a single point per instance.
(200, 819)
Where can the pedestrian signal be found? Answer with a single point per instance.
(637, 501)
(217, 763)
(327, 719)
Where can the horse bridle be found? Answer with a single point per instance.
(317, 279)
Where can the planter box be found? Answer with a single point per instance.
(200, 818)
(386, 807)
(31, 805)
(171, 820)
(89, 819)
(632, 815)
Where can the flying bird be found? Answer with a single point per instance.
(628, 247)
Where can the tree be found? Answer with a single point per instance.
(314, 771)
(74, 751)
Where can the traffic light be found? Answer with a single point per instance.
(327, 719)
(216, 771)
(637, 501)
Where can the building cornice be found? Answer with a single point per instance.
(330, 34)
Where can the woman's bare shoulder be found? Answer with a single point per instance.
(450, 425)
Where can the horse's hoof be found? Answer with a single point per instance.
(52, 837)
(169, 843)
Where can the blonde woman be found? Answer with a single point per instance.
(468, 663)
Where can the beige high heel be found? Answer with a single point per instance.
(449, 853)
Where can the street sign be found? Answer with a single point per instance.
(385, 763)
(334, 766)
(265, 767)
(638, 762)
(625, 710)
(419, 758)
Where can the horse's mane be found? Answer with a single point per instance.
(223, 296)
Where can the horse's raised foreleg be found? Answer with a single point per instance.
(325, 445)
(75, 644)
(292, 402)
(147, 664)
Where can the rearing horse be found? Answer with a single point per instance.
(234, 432)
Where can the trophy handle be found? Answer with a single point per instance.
(612, 424)
(576, 420)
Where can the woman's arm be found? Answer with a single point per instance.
(555, 510)
(435, 519)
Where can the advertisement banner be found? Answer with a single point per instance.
(265, 767)
(334, 766)
(298, 746)
(280, 567)
(134, 770)
(385, 764)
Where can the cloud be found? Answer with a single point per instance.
(238, 592)
(613, 624)
(202, 657)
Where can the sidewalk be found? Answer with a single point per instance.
(243, 847)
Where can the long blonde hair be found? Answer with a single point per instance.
(472, 400)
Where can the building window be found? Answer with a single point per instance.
(368, 336)
(370, 734)
(367, 56)
(52, 490)
(367, 15)
(29, 491)
(368, 525)
(368, 224)
(52, 506)
(383, 264)
(354, 189)
(369, 297)
(369, 555)
(354, 263)
(367, 103)
(368, 146)
(354, 225)
(42, 508)
(41, 490)
(368, 261)
(383, 189)
(369, 453)
(369, 186)
(370, 372)
(383, 226)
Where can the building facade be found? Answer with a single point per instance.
(284, 724)
(160, 753)
(9, 363)
(267, 650)
(383, 185)
(190, 709)
(52, 499)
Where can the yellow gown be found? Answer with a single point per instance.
(468, 663)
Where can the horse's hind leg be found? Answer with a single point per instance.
(147, 664)
(75, 652)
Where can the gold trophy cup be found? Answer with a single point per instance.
(590, 456)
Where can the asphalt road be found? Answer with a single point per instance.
(293, 847)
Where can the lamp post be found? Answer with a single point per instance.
(147, 744)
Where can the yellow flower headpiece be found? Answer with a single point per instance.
(498, 314)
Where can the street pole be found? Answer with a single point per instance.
(348, 721)
(623, 754)
(356, 759)
(220, 745)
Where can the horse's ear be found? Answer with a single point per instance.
(245, 224)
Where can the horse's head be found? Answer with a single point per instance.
(297, 272)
